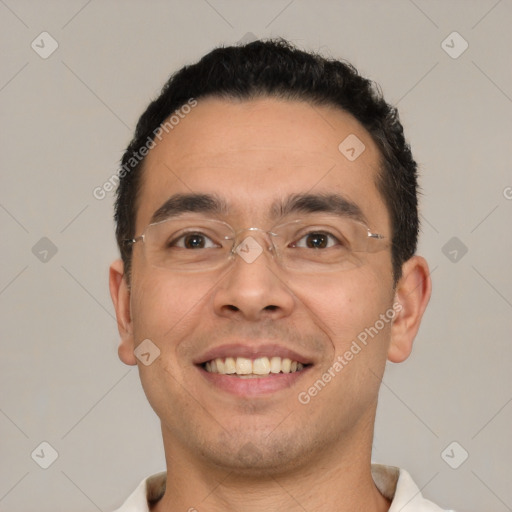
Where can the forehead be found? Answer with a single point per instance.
(255, 152)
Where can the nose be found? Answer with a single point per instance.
(254, 287)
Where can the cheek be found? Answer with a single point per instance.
(345, 387)
(165, 311)
(161, 305)
(353, 307)
(349, 302)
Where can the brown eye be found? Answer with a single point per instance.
(317, 240)
(193, 241)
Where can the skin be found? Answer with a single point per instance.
(271, 452)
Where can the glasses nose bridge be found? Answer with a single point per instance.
(253, 232)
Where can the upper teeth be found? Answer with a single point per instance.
(259, 366)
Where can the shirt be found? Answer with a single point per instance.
(393, 483)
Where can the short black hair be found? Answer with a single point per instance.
(275, 68)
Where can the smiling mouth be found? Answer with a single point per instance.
(253, 368)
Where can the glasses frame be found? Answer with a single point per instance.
(237, 241)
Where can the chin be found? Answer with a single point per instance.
(258, 455)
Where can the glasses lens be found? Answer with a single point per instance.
(188, 244)
(323, 244)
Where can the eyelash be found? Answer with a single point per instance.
(175, 241)
(318, 232)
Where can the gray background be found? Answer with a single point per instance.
(65, 122)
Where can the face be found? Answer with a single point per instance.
(253, 155)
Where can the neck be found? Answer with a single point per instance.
(338, 479)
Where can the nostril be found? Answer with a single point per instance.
(271, 308)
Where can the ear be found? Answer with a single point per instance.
(411, 299)
(120, 294)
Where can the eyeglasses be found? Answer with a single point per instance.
(325, 243)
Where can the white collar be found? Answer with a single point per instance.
(394, 483)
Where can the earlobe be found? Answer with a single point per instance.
(120, 294)
(412, 294)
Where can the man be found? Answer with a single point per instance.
(267, 221)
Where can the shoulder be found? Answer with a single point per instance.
(397, 485)
(150, 490)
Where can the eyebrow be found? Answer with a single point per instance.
(212, 204)
(318, 203)
(178, 204)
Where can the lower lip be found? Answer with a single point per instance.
(255, 385)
